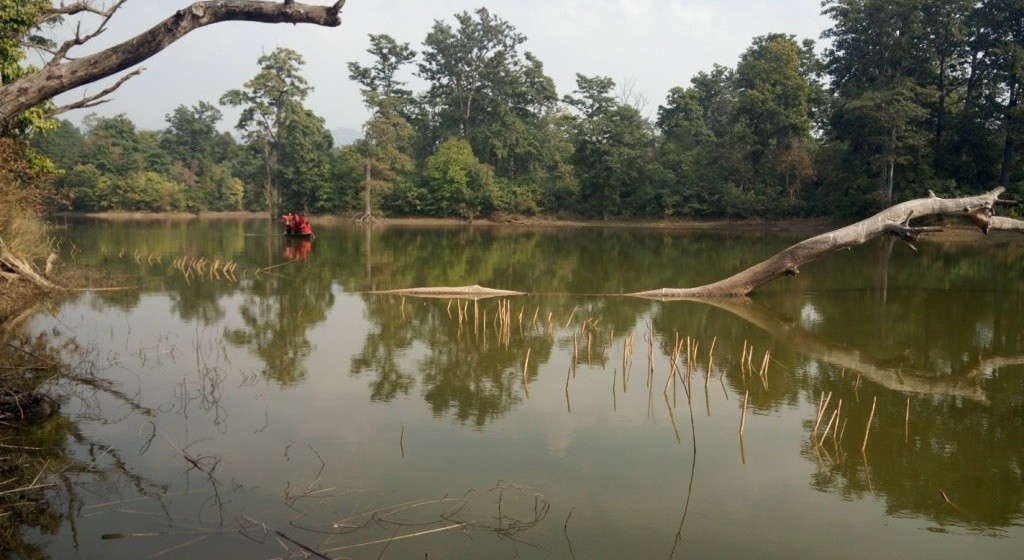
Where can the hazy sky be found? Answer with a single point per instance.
(652, 44)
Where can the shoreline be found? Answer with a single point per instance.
(757, 225)
(962, 232)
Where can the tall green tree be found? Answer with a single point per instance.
(269, 101)
(996, 87)
(774, 107)
(457, 183)
(388, 136)
(483, 89)
(304, 162)
(684, 149)
(882, 62)
(202, 155)
(613, 151)
(464, 66)
(192, 138)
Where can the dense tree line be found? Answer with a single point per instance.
(909, 96)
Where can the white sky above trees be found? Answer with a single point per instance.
(649, 45)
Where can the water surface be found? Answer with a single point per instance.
(245, 396)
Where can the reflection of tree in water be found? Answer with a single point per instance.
(954, 449)
(44, 461)
(30, 450)
(389, 338)
(465, 359)
(960, 457)
(277, 313)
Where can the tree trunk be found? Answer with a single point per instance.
(268, 179)
(367, 206)
(891, 221)
(1008, 139)
(54, 79)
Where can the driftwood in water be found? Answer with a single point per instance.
(13, 268)
(472, 292)
(894, 220)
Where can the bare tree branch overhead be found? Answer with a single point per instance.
(64, 74)
(96, 99)
(894, 220)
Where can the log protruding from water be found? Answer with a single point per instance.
(474, 292)
(894, 220)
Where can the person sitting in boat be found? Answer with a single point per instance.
(289, 223)
(303, 226)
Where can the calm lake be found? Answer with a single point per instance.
(248, 396)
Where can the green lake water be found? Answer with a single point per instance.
(247, 396)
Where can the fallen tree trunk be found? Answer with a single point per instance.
(894, 220)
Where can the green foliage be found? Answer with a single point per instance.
(613, 152)
(920, 96)
(388, 135)
(304, 165)
(192, 138)
(345, 182)
(147, 191)
(19, 19)
(87, 188)
(269, 101)
(483, 89)
(380, 82)
(64, 145)
(457, 184)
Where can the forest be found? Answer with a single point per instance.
(904, 98)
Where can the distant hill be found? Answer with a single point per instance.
(345, 136)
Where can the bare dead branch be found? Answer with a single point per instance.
(82, 6)
(94, 100)
(65, 75)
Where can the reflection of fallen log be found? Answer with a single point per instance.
(806, 342)
(894, 220)
(987, 365)
(470, 292)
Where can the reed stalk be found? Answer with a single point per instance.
(743, 413)
(867, 430)
(711, 355)
(822, 404)
(906, 423)
(526, 365)
(764, 368)
(743, 357)
(828, 426)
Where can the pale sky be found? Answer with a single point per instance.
(652, 44)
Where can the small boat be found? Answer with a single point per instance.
(297, 226)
